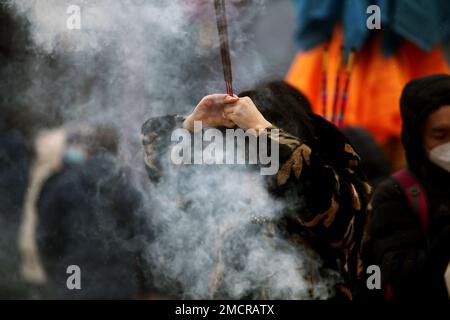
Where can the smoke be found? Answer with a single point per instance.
(131, 59)
(135, 59)
(218, 238)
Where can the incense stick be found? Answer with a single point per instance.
(222, 27)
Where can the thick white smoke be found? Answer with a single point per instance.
(209, 244)
(135, 59)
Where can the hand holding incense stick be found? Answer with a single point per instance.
(222, 27)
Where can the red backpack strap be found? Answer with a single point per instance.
(416, 195)
(417, 200)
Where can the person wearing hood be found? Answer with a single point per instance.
(411, 243)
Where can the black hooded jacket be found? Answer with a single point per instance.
(413, 261)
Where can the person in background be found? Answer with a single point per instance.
(90, 216)
(408, 234)
(19, 126)
(13, 183)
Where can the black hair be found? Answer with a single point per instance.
(285, 107)
(374, 162)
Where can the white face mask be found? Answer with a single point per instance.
(440, 156)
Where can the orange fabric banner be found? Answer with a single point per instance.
(376, 81)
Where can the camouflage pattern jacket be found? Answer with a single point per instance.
(325, 173)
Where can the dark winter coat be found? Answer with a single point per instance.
(89, 216)
(412, 261)
(13, 185)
